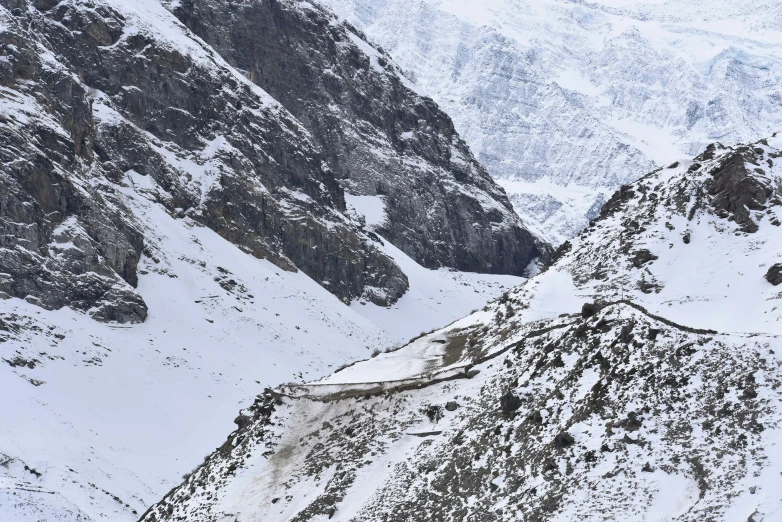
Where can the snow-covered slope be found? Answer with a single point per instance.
(378, 136)
(563, 100)
(111, 415)
(637, 378)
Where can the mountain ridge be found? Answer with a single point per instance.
(606, 384)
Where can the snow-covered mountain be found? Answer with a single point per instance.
(637, 378)
(173, 238)
(101, 420)
(565, 100)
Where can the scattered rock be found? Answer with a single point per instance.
(633, 422)
(774, 274)
(563, 440)
(242, 421)
(589, 310)
(735, 192)
(434, 412)
(509, 403)
(643, 256)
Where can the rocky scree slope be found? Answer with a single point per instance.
(380, 138)
(563, 101)
(637, 378)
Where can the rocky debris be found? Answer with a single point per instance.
(615, 203)
(585, 400)
(563, 440)
(434, 413)
(613, 389)
(589, 309)
(242, 421)
(633, 422)
(727, 190)
(710, 152)
(451, 406)
(641, 257)
(378, 136)
(440, 473)
(774, 274)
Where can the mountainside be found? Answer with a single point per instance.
(636, 378)
(565, 100)
(380, 138)
(175, 239)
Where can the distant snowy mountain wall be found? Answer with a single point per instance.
(563, 101)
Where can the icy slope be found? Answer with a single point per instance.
(111, 416)
(579, 97)
(637, 378)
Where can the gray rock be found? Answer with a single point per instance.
(774, 274)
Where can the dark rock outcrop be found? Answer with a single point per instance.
(380, 137)
(774, 274)
(509, 403)
(735, 192)
(66, 239)
(642, 256)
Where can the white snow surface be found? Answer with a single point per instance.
(371, 208)
(585, 95)
(127, 409)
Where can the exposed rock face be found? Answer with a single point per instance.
(380, 138)
(104, 96)
(67, 240)
(538, 91)
(736, 191)
(585, 456)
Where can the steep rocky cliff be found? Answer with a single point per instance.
(94, 92)
(637, 378)
(379, 137)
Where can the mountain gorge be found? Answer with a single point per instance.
(216, 207)
(175, 238)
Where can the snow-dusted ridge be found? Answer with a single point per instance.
(637, 378)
